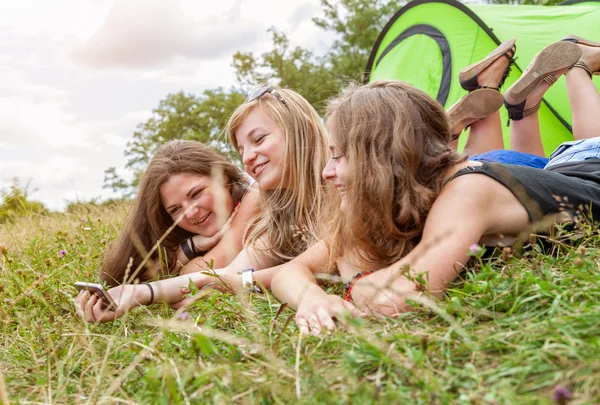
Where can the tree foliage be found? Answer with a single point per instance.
(355, 25)
(178, 116)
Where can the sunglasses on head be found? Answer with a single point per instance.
(261, 91)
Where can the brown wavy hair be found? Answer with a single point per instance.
(287, 225)
(396, 140)
(148, 220)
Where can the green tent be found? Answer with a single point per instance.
(427, 42)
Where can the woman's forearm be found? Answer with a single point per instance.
(294, 284)
(172, 290)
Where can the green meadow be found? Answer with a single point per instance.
(510, 331)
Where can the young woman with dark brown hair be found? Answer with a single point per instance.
(176, 205)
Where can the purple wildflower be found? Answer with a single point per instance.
(183, 316)
(84, 220)
(62, 253)
(562, 395)
(475, 249)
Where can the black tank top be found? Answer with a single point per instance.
(570, 187)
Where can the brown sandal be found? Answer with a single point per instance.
(549, 61)
(476, 105)
(469, 76)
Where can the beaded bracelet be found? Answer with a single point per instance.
(351, 283)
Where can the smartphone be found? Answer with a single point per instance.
(99, 291)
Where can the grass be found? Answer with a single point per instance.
(512, 332)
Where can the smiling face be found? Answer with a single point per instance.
(336, 171)
(262, 146)
(193, 196)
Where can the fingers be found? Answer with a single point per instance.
(102, 314)
(183, 303)
(322, 315)
(80, 302)
(302, 325)
(352, 309)
(89, 309)
(326, 319)
(313, 323)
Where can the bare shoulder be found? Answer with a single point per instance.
(252, 198)
(316, 257)
(478, 198)
(472, 191)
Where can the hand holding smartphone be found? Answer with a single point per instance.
(100, 292)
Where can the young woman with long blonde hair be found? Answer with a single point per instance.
(281, 139)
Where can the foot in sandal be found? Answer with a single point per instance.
(492, 70)
(476, 105)
(524, 97)
(590, 54)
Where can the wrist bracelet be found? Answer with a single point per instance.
(151, 292)
(248, 281)
(351, 283)
(189, 252)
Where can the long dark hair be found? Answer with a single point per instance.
(148, 220)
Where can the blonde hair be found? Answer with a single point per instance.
(287, 225)
(396, 140)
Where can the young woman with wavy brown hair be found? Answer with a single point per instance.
(160, 221)
(410, 207)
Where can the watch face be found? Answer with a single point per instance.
(247, 278)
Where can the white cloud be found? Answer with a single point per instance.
(63, 122)
(151, 33)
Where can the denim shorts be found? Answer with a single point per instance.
(575, 151)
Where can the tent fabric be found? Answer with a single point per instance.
(427, 42)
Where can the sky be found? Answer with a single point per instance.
(77, 76)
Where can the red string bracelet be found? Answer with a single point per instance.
(351, 283)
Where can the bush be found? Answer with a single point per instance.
(16, 203)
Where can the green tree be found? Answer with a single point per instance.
(356, 25)
(178, 116)
(15, 203)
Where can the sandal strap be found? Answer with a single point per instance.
(581, 64)
(532, 110)
(550, 79)
(511, 61)
(488, 87)
(517, 112)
